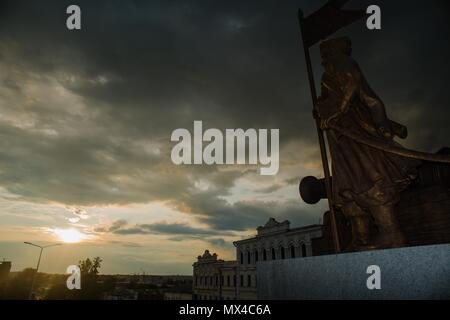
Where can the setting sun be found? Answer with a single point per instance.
(69, 235)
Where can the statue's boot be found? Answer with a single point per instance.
(360, 224)
(389, 233)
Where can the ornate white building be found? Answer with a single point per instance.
(216, 279)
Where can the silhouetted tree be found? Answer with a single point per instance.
(90, 288)
(90, 267)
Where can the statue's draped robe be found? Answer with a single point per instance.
(361, 174)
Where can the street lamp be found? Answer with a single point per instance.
(39, 261)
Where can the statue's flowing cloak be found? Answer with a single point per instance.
(361, 174)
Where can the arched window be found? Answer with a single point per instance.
(292, 252)
(273, 254)
(303, 250)
(256, 255)
(282, 253)
(264, 254)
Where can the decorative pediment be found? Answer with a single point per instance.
(272, 225)
(207, 256)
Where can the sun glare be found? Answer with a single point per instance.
(69, 235)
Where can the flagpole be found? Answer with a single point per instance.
(323, 150)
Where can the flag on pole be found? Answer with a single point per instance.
(327, 20)
(319, 25)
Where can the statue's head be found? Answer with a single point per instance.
(331, 47)
(334, 48)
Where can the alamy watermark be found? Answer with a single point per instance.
(74, 280)
(73, 21)
(227, 148)
(374, 280)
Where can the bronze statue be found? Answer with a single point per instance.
(375, 182)
(366, 181)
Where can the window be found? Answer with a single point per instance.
(282, 253)
(249, 281)
(273, 254)
(292, 252)
(264, 255)
(242, 258)
(303, 250)
(249, 257)
(211, 281)
(242, 280)
(221, 281)
(256, 256)
(228, 281)
(217, 281)
(234, 281)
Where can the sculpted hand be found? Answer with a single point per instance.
(387, 133)
(325, 123)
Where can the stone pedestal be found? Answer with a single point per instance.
(406, 273)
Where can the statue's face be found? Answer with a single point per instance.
(327, 63)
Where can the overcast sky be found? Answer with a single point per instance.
(86, 119)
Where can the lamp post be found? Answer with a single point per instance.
(39, 262)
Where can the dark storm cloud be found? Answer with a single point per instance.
(237, 59)
(245, 215)
(140, 69)
(174, 231)
(117, 225)
(166, 229)
(126, 244)
(220, 243)
(175, 61)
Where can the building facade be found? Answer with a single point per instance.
(216, 279)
